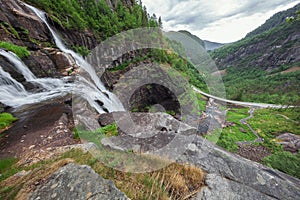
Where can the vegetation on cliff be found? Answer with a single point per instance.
(176, 181)
(20, 51)
(96, 16)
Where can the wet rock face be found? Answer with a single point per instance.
(20, 26)
(77, 182)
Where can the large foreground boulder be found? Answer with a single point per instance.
(77, 182)
(233, 177)
(229, 176)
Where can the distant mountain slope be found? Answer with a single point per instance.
(196, 38)
(212, 45)
(275, 20)
(268, 50)
(208, 45)
(252, 65)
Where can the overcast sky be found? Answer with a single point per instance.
(216, 20)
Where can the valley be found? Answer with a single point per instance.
(95, 92)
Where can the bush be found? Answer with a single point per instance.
(20, 51)
(285, 162)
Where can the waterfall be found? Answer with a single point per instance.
(45, 83)
(111, 103)
(18, 64)
(14, 94)
(6, 79)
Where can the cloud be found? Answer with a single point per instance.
(211, 19)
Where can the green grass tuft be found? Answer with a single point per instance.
(6, 119)
(20, 51)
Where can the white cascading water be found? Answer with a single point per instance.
(89, 92)
(18, 64)
(45, 83)
(14, 94)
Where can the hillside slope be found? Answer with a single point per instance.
(254, 64)
(276, 20)
(212, 45)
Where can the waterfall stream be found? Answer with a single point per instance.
(15, 95)
(111, 102)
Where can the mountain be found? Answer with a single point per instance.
(194, 37)
(212, 45)
(276, 20)
(256, 65)
(208, 45)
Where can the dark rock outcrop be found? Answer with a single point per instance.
(18, 25)
(77, 182)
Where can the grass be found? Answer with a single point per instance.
(6, 119)
(231, 135)
(202, 100)
(285, 162)
(20, 51)
(271, 122)
(268, 123)
(175, 181)
(6, 164)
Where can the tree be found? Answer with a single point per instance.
(160, 23)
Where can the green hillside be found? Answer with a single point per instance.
(264, 66)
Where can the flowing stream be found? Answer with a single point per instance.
(14, 94)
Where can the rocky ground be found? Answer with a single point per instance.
(39, 129)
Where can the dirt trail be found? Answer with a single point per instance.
(244, 121)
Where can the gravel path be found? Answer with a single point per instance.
(244, 121)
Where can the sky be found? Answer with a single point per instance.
(221, 21)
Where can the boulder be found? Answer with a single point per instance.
(233, 177)
(155, 133)
(289, 141)
(77, 182)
